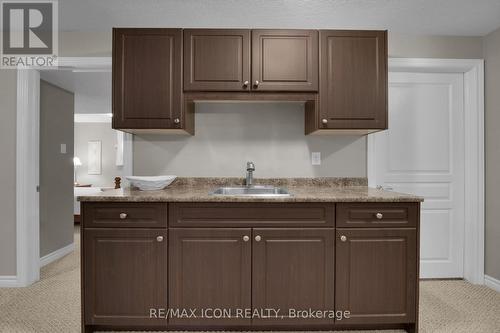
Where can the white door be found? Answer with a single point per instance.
(423, 153)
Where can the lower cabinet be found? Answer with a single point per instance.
(251, 274)
(271, 271)
(210, 269)
(376, 275)
(125, 274)
(293, 271)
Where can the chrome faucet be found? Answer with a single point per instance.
(250, 170)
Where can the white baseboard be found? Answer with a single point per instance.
(58, 254)
(8, 281)
(492, 283)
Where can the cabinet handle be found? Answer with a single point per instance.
(256, 83)
(258, 238)
(159, 238)
(123, 216)
(245, 84)
(343, 238)
(177, 120)
(379, 216)
(246, 238)
(324, 121)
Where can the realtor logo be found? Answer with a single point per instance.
(29, 33)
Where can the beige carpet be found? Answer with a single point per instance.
(53, 304)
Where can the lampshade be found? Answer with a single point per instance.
(76, 161)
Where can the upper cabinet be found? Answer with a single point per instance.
(250, 60)
(147, 79)
(159, 74)
(284, 60)
(353, 80)
(216, 60)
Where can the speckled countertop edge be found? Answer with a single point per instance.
(302, 190)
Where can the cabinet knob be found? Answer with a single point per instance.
(177, 120)
(343, 238)
(246, 83)
(246, 238)
(123, 216)
(379, 216)
(159, 239)
(256, 83)
(258, 238)
(324, 121)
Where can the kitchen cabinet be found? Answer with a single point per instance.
(284, 60)
(235, 268)
(147, 81)
(224, 59)
(293, 269)
(216, 60)
(228, 260)
(124, 274)
(159, 74)
(376, 275)
(210, 269)
(353, 80)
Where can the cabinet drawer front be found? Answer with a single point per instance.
(358, 215)
(125, 215)
(251, 214)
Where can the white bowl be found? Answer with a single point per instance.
(150, 183)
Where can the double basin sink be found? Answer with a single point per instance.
(251, 191)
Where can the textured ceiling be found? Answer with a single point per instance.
(435, 17)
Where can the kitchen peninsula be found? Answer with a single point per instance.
(334, 245)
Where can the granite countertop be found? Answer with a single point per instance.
(301, 190)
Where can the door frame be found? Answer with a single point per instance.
(27, 162)
(473, 71)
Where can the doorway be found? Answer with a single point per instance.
(28, 164)
(429, 151)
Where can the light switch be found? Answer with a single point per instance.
(63, 148)
(316, 158)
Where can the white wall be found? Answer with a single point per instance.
(269, 134)
(425, 46)
(92, 89)
(92, 92)
(85, 132)
(56, 169)
(8, 80)
(492, 147)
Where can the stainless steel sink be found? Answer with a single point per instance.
(252, 191)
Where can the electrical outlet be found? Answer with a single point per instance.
(316, 158)
(63, 148)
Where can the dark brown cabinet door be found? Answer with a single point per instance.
(147, 82)
(293, 269)
(125, 274)
(210, 269)
(376, 275)
(353, 80)
(216, 60)
(284, 60)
